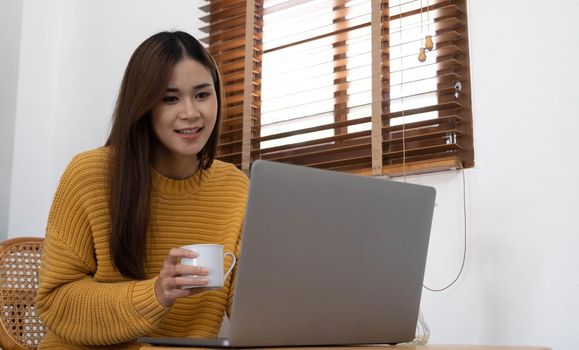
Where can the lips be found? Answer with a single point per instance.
(188, 131)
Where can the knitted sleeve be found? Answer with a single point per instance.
(73, 305)
(234, 277)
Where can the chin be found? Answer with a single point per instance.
(189, 154)
(191, 151)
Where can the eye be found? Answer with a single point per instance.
(170, 99)
(202, 95)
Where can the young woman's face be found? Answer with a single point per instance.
(185, 117)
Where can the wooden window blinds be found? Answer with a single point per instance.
(338, 84)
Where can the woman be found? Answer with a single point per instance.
(110, 267)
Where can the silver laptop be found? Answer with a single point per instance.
(327, 258)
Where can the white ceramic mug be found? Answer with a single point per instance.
(211, 257)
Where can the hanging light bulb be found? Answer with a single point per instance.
(428, 40)
(428, 44)
(422, 55)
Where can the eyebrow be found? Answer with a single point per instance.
(196, 87)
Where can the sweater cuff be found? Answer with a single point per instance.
(146, 303)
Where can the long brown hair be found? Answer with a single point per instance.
(131, 140)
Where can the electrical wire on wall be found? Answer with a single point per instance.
(422, 328)
(465, 239)
(428, 42)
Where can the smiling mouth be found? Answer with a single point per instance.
(188, 131)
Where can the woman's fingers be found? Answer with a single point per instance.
(176, 253)
(174, 276)
(188, 281)
(171, 261)
(190, 270)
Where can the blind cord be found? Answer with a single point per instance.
(421, 22)
(427, 17)
(402, 91)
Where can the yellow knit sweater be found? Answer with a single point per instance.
(82, 298)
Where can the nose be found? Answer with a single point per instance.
(190, 109)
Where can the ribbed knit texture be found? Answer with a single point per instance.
(84, 300)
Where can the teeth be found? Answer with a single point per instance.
(187, 132)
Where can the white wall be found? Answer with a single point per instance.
(521, 283)
(36, 102)
(521, 278)
(10, 25)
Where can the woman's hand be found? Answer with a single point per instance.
(169, 286)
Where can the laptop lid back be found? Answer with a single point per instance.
(329, 258)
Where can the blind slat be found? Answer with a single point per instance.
(431, 140)
(217, 5)
(225, 12)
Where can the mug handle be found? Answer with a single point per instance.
(232, 264)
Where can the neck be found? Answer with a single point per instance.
(174, 167)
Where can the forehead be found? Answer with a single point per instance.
(188, 72)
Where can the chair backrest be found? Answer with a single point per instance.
(20, 326)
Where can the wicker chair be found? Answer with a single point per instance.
(20, 327)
